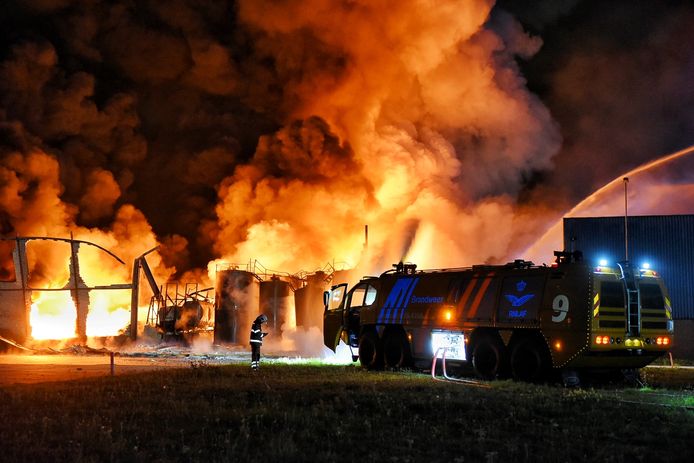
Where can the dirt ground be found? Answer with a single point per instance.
(32, 367)
(23, 369)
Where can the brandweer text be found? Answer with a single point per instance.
(426, 300)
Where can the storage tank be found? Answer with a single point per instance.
(236, 306)
(277, 303)
(309, 301)
(174, 319)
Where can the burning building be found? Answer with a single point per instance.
(227, 131)
(30, 309)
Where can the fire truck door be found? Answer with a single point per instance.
(334, 315)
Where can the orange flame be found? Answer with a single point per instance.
(53, 315)
(108, 314)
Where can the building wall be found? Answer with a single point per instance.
(684, 340)
(666, 242)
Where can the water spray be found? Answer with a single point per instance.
(626, 216)
(553, 234)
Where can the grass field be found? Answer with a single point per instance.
(342, 413)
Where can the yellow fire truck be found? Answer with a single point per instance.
(518, 319)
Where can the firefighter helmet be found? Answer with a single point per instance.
(262, 318)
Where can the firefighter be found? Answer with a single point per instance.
(257, 336)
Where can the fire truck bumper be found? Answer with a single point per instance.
(618, 358)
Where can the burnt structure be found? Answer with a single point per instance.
(16, 287)
(179, 310)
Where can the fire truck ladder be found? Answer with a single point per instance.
(633, 302)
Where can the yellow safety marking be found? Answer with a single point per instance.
(596, 305)
(668, 309)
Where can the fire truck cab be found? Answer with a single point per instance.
(517, 319)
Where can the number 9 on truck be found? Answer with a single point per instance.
(560, 306)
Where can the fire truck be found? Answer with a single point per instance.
(515, 320)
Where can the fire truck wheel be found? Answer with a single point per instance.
(370, 355)
(395, 350)
(528, 361)
(488, 356)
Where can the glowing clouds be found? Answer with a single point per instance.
(299, 202)
(448, 237)
(430, 99)
(31, 204)
(100, 196)
(30, 194)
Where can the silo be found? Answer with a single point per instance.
(236, 305)
(309, 301)
(277, 303)
(300, 305)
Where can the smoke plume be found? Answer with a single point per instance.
(276, 130)
(441, 132)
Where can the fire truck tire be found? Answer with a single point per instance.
(488, 356)
(529, 361)
(396, 352)
(370, 352)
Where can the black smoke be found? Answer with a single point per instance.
(155, 103)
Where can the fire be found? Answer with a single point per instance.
(107, 314)
(286, 137)
(53, 315)
(93, 284)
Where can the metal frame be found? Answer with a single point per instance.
(76, 285)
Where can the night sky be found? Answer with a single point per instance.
(251, 129)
